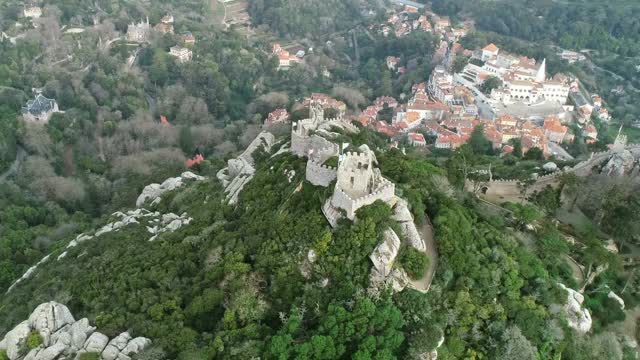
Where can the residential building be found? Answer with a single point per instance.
(277, 116)
(392, 63)
(183, 54)
(554, 130)
(32, 10)
(188, 38)
(285, 59)
(416, 139)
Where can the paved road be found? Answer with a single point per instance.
(558, 151)
(410, 3)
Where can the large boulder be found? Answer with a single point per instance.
(50, 317)
(96, 342)
(15, 338)
(384, 255)
(619, 164)
(115, 346)
(154, 191)
(64, 338)
(136, 345)
(577, 317)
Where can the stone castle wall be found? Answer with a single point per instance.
(341, 200)
(320, 175)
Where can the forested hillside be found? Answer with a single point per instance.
(613, 26)
(230, 284)
(304, 17)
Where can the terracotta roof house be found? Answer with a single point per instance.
(416, 139)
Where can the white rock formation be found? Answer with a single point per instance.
(550, 166)
(65, 338)
(621, 163)
(383, 257)
(154, 191)
(614, 296)
(403, 216)
(577, 317)
(385, 254)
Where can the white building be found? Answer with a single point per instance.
(32, 10)
(183, 54)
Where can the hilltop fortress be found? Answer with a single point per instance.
(358, 181)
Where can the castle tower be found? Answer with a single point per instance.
(355, 173)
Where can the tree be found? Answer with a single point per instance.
(492, 82)
(186, 140)
(479, 142)
(534, 154)
(459, 63)
(569, 182)
(524, 215)
(515, 346)
(413, 261)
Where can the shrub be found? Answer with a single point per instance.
(89, 356)
(3, 355)
(414, 262)
(34, 340)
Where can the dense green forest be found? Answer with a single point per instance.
(230, 284)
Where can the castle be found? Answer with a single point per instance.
(139, 32)
(358, 182)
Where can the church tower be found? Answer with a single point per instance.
(541, 75)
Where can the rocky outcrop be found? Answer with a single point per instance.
(621, 163)
(240, 170)
(383, 257)
(618, 299)
(65, 338)
(385, 254)
(577, 317)
(403, 216)
(152, 192)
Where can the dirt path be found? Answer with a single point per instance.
(426, 232)
(21, 154)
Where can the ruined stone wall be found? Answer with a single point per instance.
(320, 175)
(300, 145)
(343, 201)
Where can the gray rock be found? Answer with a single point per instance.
(136, 345)
(96, 342)
(50, 317)
(15, 338)
(52, 352)
(116, 345)
(385, 254)
(577, 317)
(80, 331)
(550, 166)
